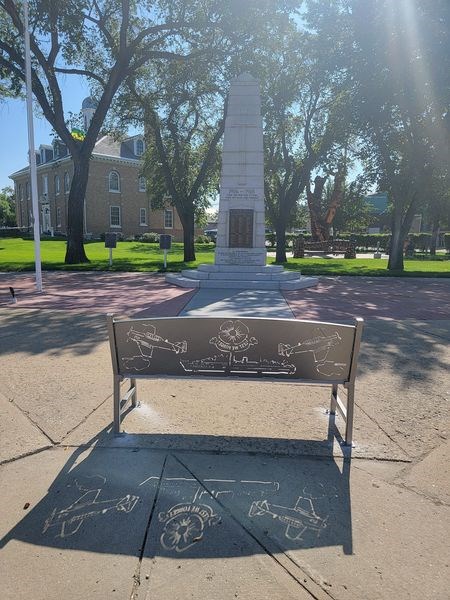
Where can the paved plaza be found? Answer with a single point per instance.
(222, 489)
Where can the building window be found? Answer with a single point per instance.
(114, 182)
(142, 216)
(58, 216)
(139, 147)
(27, 190)
(57, 184)
(20, 192)
(114, 216)
(142, 184)
(45, 185)
(168, 218)
(66, 182)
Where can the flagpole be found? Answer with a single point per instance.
(31, 152)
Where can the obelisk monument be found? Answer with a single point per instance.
(241, 222)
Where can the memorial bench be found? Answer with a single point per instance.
(304, 352)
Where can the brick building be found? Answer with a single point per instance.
(116, 198)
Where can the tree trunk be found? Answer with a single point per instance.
(280, 256)
(319, 229)
(395, 262)
(75, 219)
(434, 236)
(188, 223)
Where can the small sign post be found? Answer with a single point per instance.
(110, 242)
(165, 243)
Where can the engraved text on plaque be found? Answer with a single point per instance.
(241, 228)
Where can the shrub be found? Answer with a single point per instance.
(150, 238)
(202, 239)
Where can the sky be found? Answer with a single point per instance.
(13, 125)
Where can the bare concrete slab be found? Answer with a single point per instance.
(430, 476)
(230, 416)
(17, 434)
(55, 366)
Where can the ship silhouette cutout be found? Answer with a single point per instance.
(231, 365)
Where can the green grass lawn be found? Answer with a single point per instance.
(17, 254)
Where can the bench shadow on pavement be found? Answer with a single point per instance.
(134, 501)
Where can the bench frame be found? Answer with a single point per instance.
(122, 400)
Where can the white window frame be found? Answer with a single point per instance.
(58, 217)
(27, 190)
(168, 211)
(143, 213)
(119, 225)
(45, 185)
(110, 189)
(57, 184)
(142, 184)
(66, 182)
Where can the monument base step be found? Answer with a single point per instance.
(249, 283)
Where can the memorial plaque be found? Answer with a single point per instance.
(241, 228)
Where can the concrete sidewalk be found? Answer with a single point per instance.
(229, 490)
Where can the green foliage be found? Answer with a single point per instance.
(202, 239)
(447, 242)
(7, 208)
(149, 238)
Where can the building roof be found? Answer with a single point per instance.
(105, 148)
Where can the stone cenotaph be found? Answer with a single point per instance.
(241, 226)
(240, 256)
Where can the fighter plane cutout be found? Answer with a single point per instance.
(147, 340)
(296, 519)
(320, 346)
(87, 506)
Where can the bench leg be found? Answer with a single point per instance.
(334, 393)
(349, 419)
(134, 400)
(117, 380)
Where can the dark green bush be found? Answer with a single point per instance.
(447, 242)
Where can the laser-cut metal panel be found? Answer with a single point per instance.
(237, 347)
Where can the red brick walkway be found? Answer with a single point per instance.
(137, 294)
(147, 294)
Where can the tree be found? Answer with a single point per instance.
(183, 130)
(7, 208)
(104, 42)
(305, 124)
(402, 101)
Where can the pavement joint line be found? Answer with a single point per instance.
(383, 430)
(404, 486)
(84, 419)
(137, 573)
(432, 333)
(25, 455)
(26, 415)
(270, 552)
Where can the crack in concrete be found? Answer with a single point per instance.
(25, 455)
(137, 573)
